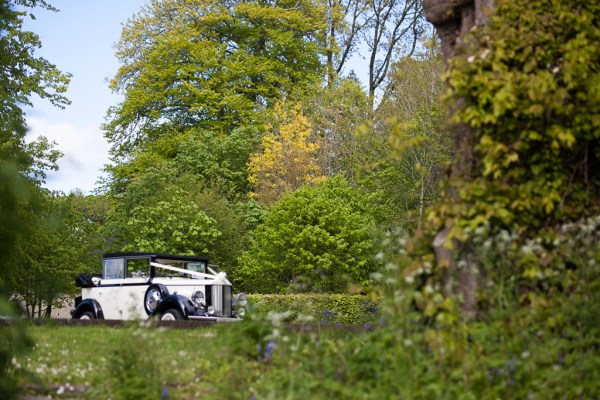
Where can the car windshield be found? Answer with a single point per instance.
(113, 268)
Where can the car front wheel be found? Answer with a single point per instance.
(87, 315)
(154, 294)
(171, 314)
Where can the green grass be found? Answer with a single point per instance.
(188, 361)
(254, 359)
(260, 359)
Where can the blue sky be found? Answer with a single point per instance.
(79, 39)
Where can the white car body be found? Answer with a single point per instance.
(142, 285)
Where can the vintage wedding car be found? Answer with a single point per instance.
(164, 286)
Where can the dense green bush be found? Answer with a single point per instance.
(316, 239)
(342, 308)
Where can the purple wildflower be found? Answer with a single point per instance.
(164, 394)
(269, 349)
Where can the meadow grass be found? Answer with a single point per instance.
(187, 362)
(249, 360)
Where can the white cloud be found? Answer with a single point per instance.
(85, 152)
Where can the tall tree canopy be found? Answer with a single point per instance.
(212, 65)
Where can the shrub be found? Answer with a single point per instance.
(337, 308)
(316, 239)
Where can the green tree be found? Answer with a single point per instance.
(316, 239)
(22, 74)
(408, 145)
(59, 244)
(21, 166)
(212, 65)
(398, 154)
(171, 226)
(164, 211)
(217, 161)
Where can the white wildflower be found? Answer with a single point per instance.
(391, 267)
(376, 276)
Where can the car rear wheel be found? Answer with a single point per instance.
(171, 314)
(87, 315)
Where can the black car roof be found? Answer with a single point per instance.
(155, 255)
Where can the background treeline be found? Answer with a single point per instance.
(245, 134)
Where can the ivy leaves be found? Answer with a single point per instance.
(528, 90)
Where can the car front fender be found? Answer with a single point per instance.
(178, 302)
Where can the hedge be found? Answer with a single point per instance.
(336, 308)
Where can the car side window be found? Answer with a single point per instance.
(113, 268)
(138, 267)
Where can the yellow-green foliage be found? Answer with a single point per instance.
(287, 160)
(343, 308)
(209, 65)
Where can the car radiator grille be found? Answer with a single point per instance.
(221, 300)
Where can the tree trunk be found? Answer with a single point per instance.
(452, 19)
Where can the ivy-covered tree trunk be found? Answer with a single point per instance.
(524, 108)
(452, 19)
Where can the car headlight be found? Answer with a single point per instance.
(198, 298)
(241, 299)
